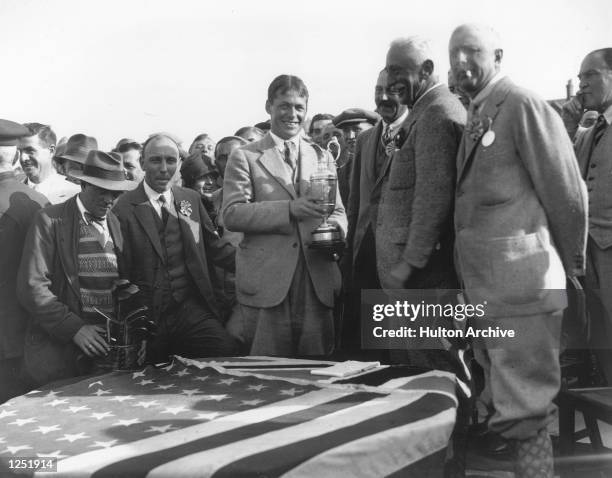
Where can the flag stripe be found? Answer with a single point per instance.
(276, 461)
(140, 465)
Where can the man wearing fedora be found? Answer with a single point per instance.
(170, 247)
(75, 153)
(75, 252)
(18, 204)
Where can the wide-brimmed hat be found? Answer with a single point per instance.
(78, 147)
(104, 170)
(10, 132)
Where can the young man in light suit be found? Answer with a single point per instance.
(520, 226)
(286, 290)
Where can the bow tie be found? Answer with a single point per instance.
(91, 218)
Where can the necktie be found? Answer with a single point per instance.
(290, 154)
(387, 141)
(599, 129)
(99, 223)
(164, 209)
(98, 220)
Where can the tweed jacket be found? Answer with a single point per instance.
(48, 288)
(18, 204)
(144, 258)
(256, 194)
(415, 213)
(520, 213)
(364, 182)
(598, 177)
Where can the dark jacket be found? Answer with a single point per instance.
(144, 257)
(48, 288)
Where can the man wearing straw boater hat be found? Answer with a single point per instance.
(75, 252)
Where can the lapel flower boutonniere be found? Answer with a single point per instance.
(477, 127)
(185, 208)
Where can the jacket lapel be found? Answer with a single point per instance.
(144, 212)
(68, 232)
(490, 110)
(188, 214)
(370, 152)
(407, 128)
(272, 162)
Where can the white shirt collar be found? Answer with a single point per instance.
(83, 210)
(480, 98)
(154, 195)
(397, 123)
(280, 142)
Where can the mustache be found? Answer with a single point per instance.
(387, 104)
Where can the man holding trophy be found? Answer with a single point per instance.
(285, 283)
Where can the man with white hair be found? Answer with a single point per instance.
(520, 226)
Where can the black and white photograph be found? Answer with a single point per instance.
(306, 239)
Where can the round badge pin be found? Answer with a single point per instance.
(488, 138)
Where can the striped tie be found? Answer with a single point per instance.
(599, 129)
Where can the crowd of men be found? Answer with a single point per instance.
(481, 187)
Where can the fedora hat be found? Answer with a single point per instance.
(104, 170)
(78, 147)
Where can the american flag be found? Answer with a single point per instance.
(210, 421)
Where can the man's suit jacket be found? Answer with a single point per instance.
(257, 190)
(18, 205)
(598, 177)
(520, 212)
(416, 208)
(364, 182)
(48, 288)
(145, 262)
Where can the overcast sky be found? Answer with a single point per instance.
(132, 67)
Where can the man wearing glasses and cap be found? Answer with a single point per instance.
(74, 256)
(18, 204)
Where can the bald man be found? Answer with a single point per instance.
(169, 244)
(520, 226)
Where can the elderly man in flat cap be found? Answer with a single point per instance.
(18, 204)
(60, 285)
(36, 154)
(352, 122)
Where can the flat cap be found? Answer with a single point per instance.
(10, 132)
(355, 115)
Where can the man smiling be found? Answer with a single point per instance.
(286, 290)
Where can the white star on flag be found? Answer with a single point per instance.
(100, 416)
(150, 403)
(191, 391)
(145, 382)
(227, 381)
(138, 374)
(55, 454)
(9, 413)
(99, 382)
(218, 398)
(182, 373)
(14, 449)
(73, 437)
(76, 409)
(52, 394)
(252, 403)
(126, 423)
(23, 421)
(57, 402)
(101, 392)
(175, 410)
(121, 398)
(44, 430)
(290, 392)
(201, 378)
(160, 429)
(103, 444)
(207, 416)
(256, 388)
(164, 387)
